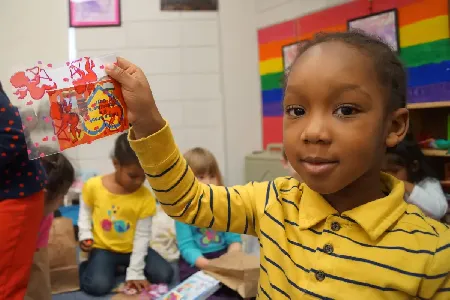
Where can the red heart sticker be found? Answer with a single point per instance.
(29, 103)
(66, 79)
(45, 139)
(49, 65)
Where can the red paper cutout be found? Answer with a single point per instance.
(88, 112)
(25, 85)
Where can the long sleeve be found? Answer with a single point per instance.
(436, 284)
(429, 197)
(188, 249)
(231, 238)
(135, 270)
(187, 200)
(84, 221)
(20, 176)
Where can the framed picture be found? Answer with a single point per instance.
(290, 53)
(94, 13)
(189, 5)
(382, 24)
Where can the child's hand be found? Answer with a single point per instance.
(142, 111)
(139, 285)
(234, 247)
(86, 245)
(202, 263)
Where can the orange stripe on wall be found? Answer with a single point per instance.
(273, 49)
(310, 35)
(421, 10)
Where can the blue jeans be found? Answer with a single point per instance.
(98, 273)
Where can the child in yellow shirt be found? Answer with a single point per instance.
(345, 232)
(115, 227)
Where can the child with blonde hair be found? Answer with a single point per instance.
(199, 245)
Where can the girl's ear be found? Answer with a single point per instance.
(399, 124)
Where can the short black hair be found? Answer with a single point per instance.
(389, 68)
(123, 153)
(407, 154)
(60, 174)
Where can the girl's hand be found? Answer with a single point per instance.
(202, 263)
(234, 247)
(86, 245)
(139, 285)
(142, 111)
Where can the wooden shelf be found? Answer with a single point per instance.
(435, 152)
(428, 105)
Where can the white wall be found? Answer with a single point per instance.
(201, 68)
(269, 12)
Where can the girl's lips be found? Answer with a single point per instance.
(318, 166)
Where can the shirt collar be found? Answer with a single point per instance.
(374, 217)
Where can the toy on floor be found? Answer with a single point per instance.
(155, 291)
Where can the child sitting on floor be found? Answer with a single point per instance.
(407, 162)
(60, 174)
(199, 245)
(115, 223)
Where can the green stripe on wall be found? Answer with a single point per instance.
(427, 53)
(272, 81)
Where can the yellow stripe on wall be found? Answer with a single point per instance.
(274, 65)
(425, 31)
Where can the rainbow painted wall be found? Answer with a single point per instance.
(424, 42)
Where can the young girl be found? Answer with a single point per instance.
(199, 245)
(407, 162)
(60, 175)
(115, 227)
(21, 203)
(346, 231)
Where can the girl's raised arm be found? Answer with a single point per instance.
(180, 194)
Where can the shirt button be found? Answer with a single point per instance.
(328, 248)
(335, 226)
(320, 275)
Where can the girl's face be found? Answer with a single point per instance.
(130, 177)
(208, 179)
(336, 125)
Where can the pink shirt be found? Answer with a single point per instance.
(44, 231)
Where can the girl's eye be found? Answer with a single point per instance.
(295, 111)
(345, 111)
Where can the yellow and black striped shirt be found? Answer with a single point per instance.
(385, 249)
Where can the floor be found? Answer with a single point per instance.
(77, 296)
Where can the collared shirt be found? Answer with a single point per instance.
(385, 249)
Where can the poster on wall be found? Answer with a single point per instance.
(290, 53)
(189, 5)
(94, 13)
(383, 24)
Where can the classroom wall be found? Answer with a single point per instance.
(424, 50)
(201, 65)
(269, 12)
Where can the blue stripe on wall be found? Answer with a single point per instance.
(429, 74)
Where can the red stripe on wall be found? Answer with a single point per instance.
(277, 32)
(333, 16)
(272, 130)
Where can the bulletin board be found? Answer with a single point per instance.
(424, 49)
